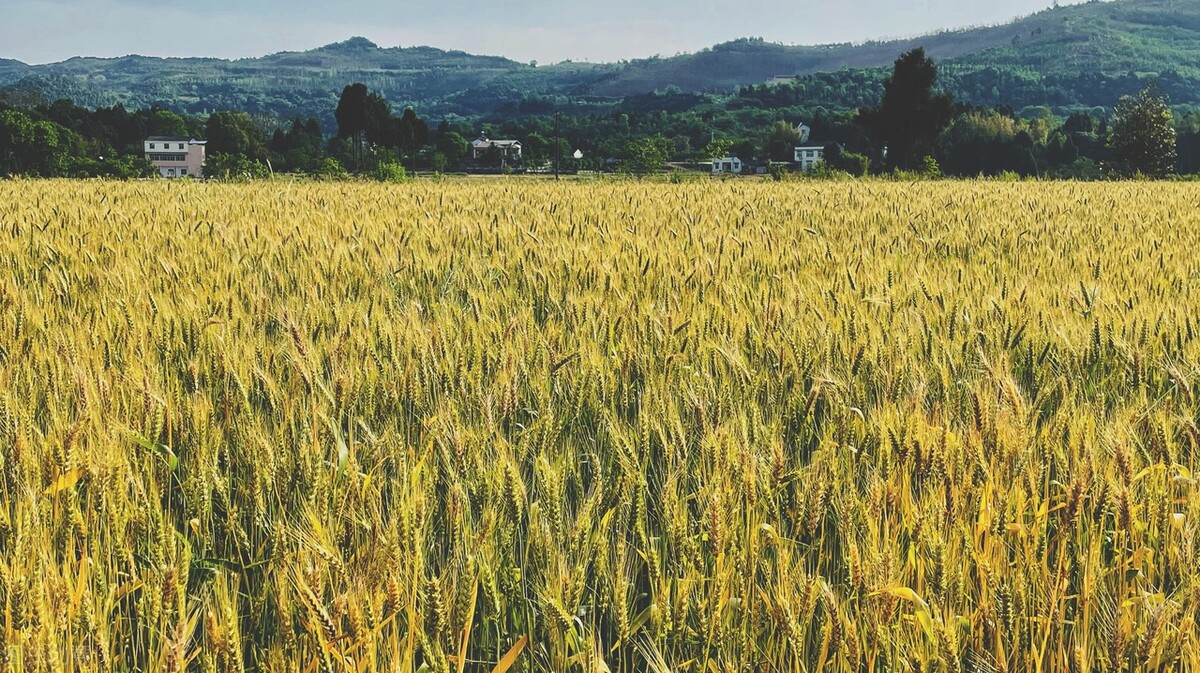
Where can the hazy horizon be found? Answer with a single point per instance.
(47, 31)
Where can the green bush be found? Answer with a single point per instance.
(777, 172)
(233, 167)
(331, 169)
(857, 165)
(390, 172)
(824, 171)
(930, 168)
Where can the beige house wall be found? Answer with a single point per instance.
(193, 153)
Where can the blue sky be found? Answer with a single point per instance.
(40, 31)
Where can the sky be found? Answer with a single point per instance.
(42, 31)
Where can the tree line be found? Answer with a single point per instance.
(910, 126)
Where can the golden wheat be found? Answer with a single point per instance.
(500, 425)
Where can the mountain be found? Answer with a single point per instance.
(11, 71)
(282, 84)
(1124, 36)
(1072, 56)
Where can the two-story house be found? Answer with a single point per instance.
(506, 150)
(175, 157)
(808, 156)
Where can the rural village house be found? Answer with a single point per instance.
(506, 149)
(729, 164)
(175, 157)
(808, 156)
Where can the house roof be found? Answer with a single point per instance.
(174, 139)
(484, 142)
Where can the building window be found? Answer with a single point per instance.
(151, 145)
(183, 172)
(180, 145)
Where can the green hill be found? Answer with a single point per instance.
(1114, 38)
(282, 84)
(11, 70)
(1074, 56)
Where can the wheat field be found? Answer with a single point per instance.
(519, 426)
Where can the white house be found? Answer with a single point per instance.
(508, 149)
(730, 164)
(808, 156)
(175, 157)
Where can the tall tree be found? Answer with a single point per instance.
(377, 120)
(351, 115)
(912, 115)
(412, 133)
(363, 115)
(1142, 139)
(780, 141)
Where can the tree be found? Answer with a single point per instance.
(299, 148)
(452, 145)
(537, 150)
(780, 142)
(377, 121)
(14, 140)
(1142, 139)
(646, 155)
(858, 165)
(719, 149)
(351, 115)
(745, 150)
(235, 133)
(911, 116)
(222, 166)
(986, 142)
(363, 115)
(411, 134)
(166, 123)
(34, 147)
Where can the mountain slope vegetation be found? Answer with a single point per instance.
(1067, 57)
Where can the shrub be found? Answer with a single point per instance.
(331, 168)
(390, 172)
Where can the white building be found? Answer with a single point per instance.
(808, 156)
(730, 164)
(175, 157)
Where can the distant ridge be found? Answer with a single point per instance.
(1054, 50)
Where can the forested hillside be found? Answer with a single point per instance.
(1066, 58)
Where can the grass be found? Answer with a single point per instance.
(492, 426)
